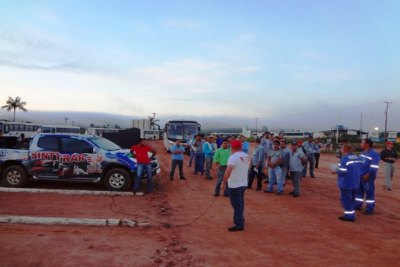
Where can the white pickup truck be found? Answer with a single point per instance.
(69, 157)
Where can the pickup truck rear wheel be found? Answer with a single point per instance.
(117, 180)
(14, 176)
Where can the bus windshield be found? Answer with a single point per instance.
(181, 130)
(190, 128)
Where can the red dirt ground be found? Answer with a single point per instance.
(189, 226)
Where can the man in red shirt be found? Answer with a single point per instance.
(141, 153)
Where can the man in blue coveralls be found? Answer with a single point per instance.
(348, 182)
(369, 168)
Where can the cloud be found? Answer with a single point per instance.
(33, 49)
(189, 75)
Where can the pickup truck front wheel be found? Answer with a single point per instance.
(14, 176)
(117, 180)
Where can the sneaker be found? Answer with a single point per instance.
(296, 194)
(279, 193)
(183, 178)
(388, 189)
(209, 178)
(291, 193)
(235, 229)
(268, 191)
(343, 218)
(216, 194)
(312, 176)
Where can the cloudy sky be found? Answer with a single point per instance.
(294, 64)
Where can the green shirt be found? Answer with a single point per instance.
(221, 156)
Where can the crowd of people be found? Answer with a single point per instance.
(270, 160)
(273, 161)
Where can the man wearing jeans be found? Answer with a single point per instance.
(141, 153)
(199, 155)
(177, 152)
(208, 150)
(310, 148)
(296, 161)
(275, 169)
(221, 157)
(236, 175)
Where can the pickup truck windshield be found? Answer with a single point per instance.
(104, 143)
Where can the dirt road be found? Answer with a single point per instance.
(189, 227)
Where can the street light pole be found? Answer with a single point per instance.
(386, 115)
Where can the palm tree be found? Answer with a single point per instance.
(14, 104)
(153, 122)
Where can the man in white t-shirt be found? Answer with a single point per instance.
(236, 175)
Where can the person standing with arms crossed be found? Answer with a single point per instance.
(177, 152)
(236, 175)
(389, 157)
(257, 164)
(275, 169)
(199, 155)
(208, 150)
(141, 153)
(296, 164)
(221, 157)
(317, 153)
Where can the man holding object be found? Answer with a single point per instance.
(236, 175)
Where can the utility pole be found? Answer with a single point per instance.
(386, 116)
(256, 126)
(337, 128)
(361, 125)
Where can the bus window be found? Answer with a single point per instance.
(6, 129)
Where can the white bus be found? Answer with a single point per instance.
(297, 135)
(379, 137)
(152, 134)
(100, 131)
(9, 128)
(69, 129)
(179, 129)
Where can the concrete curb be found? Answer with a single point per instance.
(70, 221)
(68, 192)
